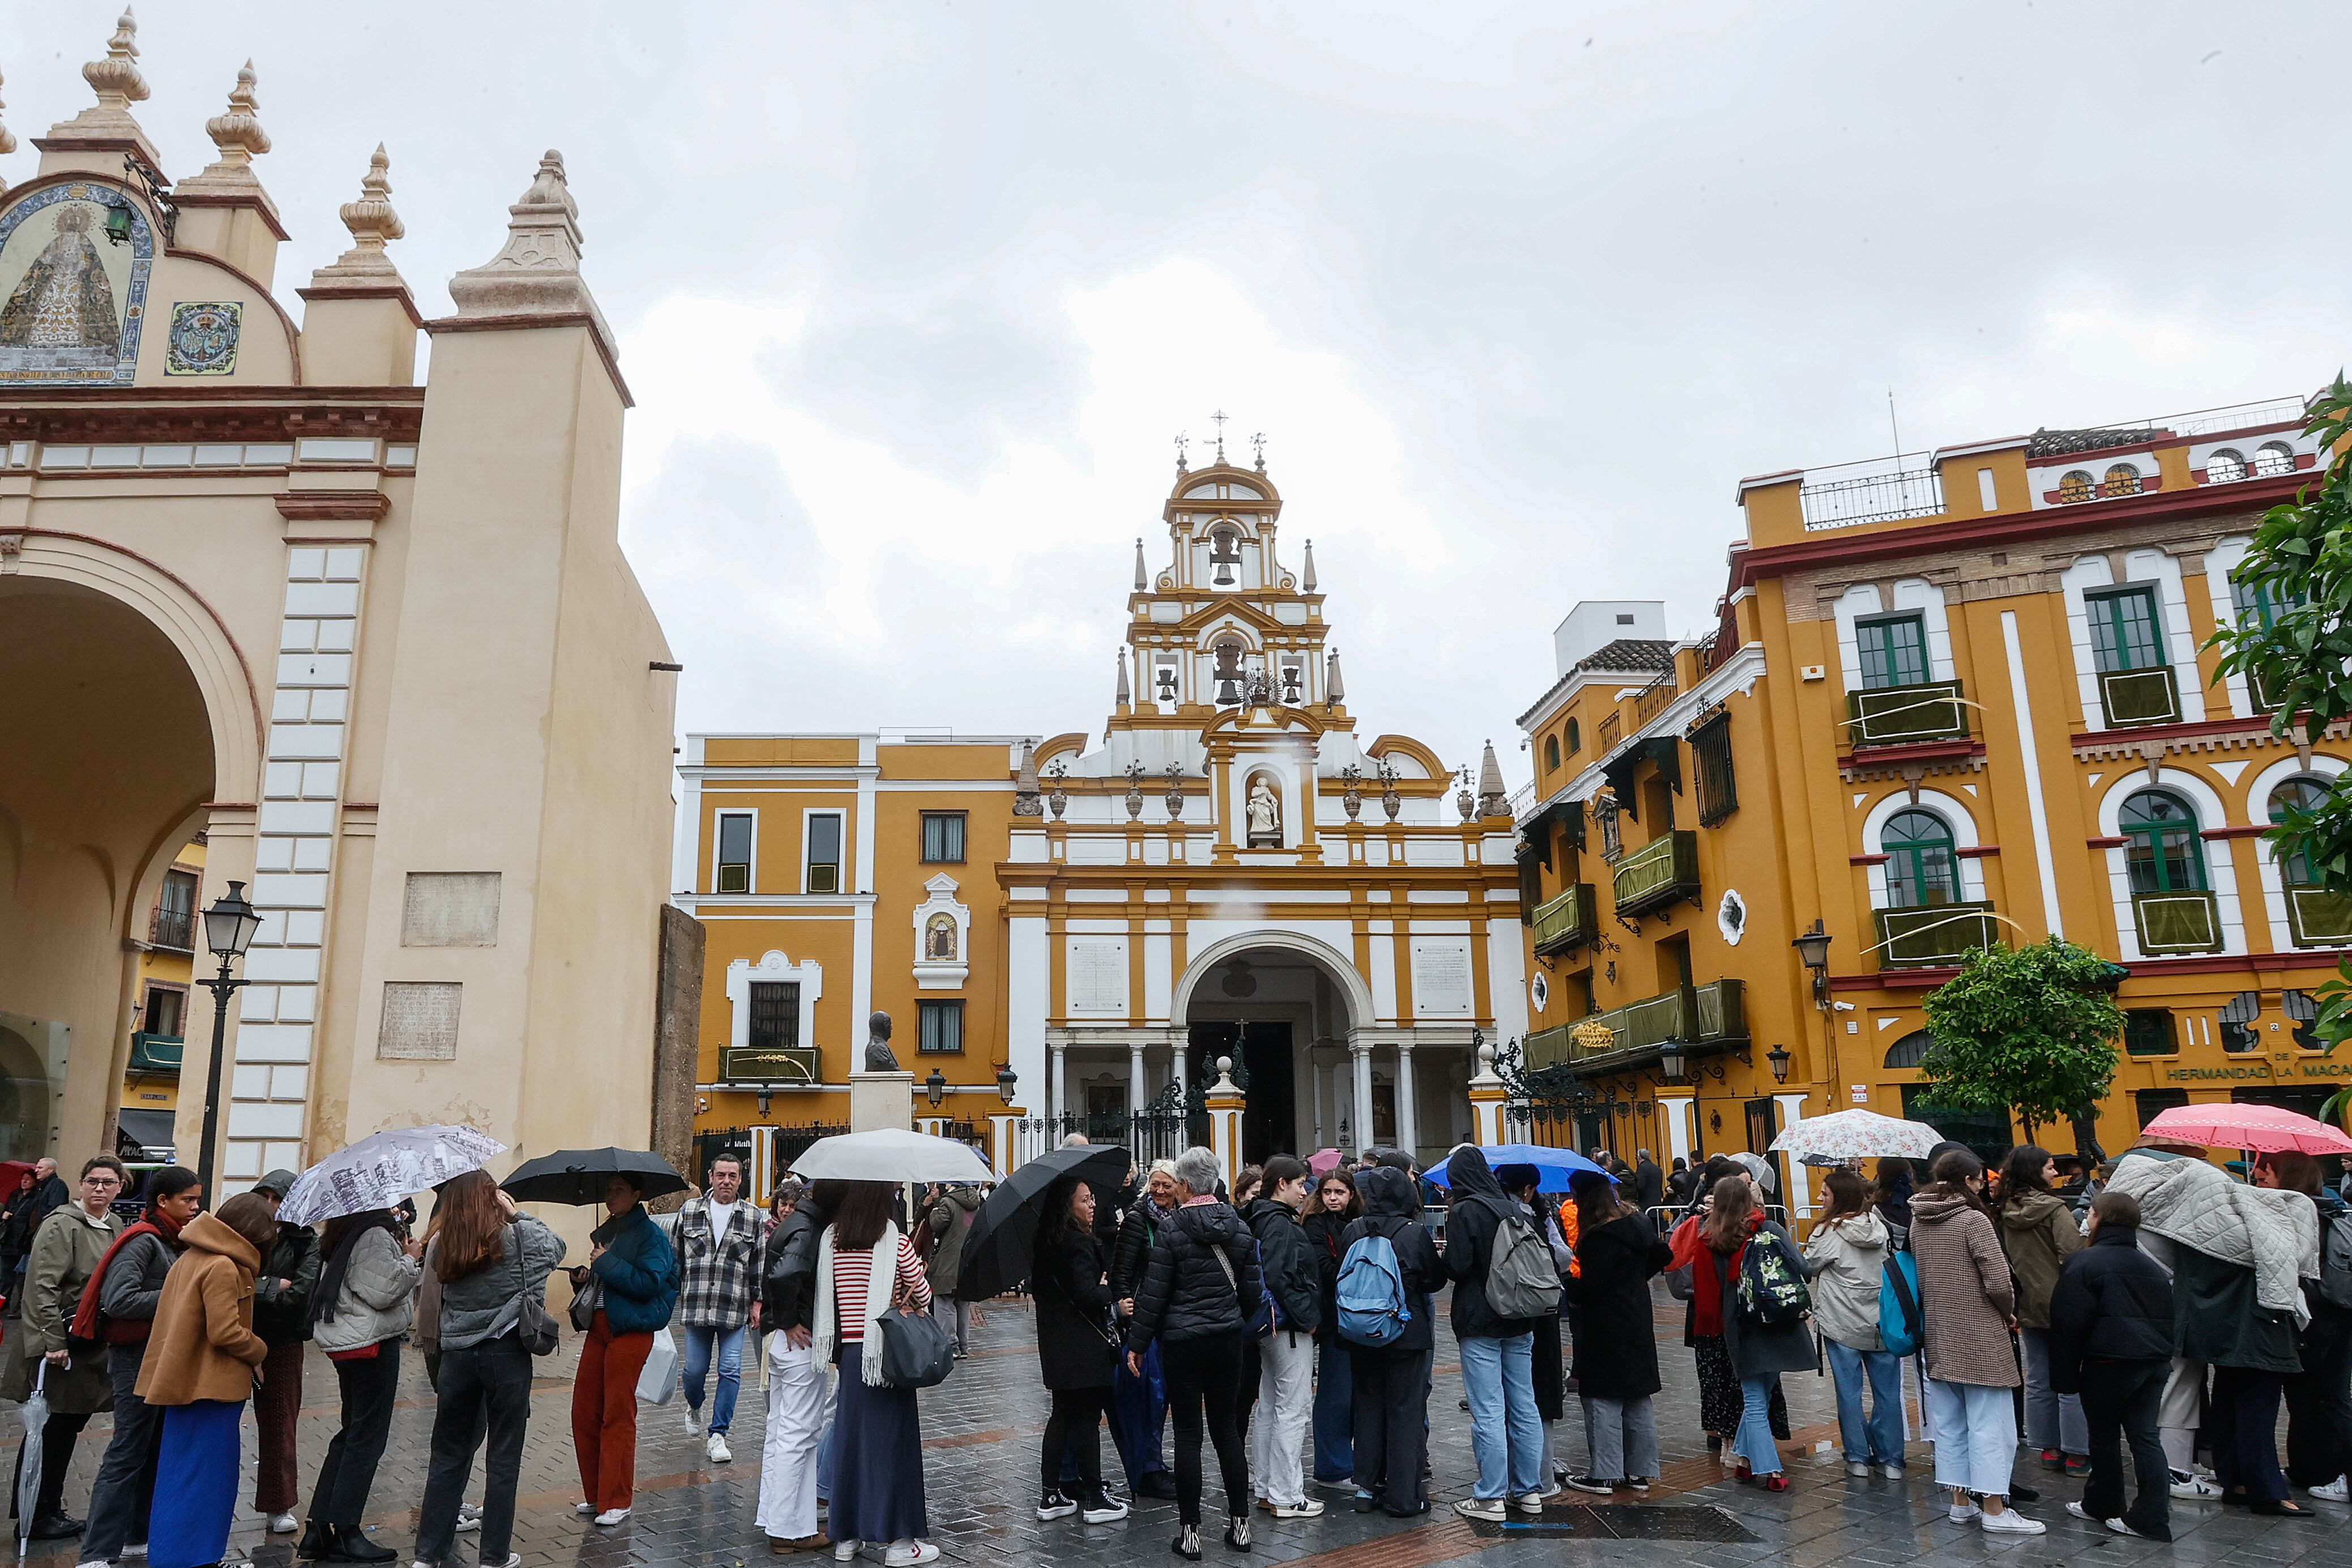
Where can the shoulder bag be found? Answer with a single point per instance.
(917, 1353)
(535, 1325)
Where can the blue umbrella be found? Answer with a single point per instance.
(1554, 1166)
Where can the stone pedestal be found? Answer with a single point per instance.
(1225, 1103)
(1488, 1095)
(878, 1100)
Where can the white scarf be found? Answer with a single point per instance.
(881, 1282)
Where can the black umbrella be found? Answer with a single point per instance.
(578, 1175)
(999, 1246)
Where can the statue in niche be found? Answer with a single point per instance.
(879, 1057)
(1264, 815)
(939, 939)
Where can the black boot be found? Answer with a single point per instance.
(314, 1541)
(350, 1544)
(54, 1526)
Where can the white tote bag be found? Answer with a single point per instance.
(658, 1381)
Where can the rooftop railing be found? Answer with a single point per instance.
(1878, 498)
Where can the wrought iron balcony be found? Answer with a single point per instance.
(157, 1053)
(172, 928)
(2140, 696)
(1659, 873)
(2318, 917)
(786, 1066)
(1713, 1014)
(1932, 934)
(1905, 715)
(1565, 921)
(2177, 921)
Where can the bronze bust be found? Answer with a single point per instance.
(878, 1055)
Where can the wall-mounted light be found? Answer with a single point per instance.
(1813, 952)
(936, 1085)
(1006, 1081)
(1672, 1060)
(1778, 1057)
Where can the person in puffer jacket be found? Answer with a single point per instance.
(1286, 1352)
(359, 1315)
(1497, 1365)
(1846, 1256)
(2111, 1343)
(1200, 1286)
(1391, 1381)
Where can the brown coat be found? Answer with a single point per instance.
(203, 1347)
(1965, 1295)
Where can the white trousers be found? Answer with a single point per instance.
(1286, 1404)
(797, 1401)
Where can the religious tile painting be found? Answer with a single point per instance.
(74, 260)
(203, 339)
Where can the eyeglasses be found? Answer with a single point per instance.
(99, 1179)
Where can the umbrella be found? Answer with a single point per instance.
(891, 1153)
(1844, 1136)
(2264, 1129)
(384, 1168)
(1002, 1240)
(578, 1175)
(1553, 1166)
(1323, 1162)
(1758, 1169)
(36, 1416)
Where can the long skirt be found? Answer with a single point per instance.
(1719, 1400)
(877, 1493)
(196, 1486)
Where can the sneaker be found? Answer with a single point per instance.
(1596, 1485)
(1640, 1484)
(1961, 1512)
(845, 1552)
(1054, 1505)
(2008, 1522)
(2050, 1459)
(1858, 1469)
(2078, 1464)
(1364, 1502)
(612, 1516)
(279, 1525)
(514, 1560)
(1489, 1509)
(910, 1555)
(2192, 1488)
(1310, 1509)
(2079, 1511)
(2337, 1491)
(1891, 1472)
(717, 1449)
(1237, 1532)
(1528, 1503)
(1105, 1509)
(693, 1420)
(137, 1550)
(469, 1517)
(583, 1509)
(2019, 1492)
(2120, 1528)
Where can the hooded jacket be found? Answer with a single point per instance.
(281, 1315)
(2041, 1232)
(1323, 1229)
(1616, 1344)
(1286, 1259)
(2112, 1303)
(1184, 1294)
(1137, 1233)
(1965, 1295)
(1392, 1209)
(377, 1299)
(951, 1222)
(1848, 1262)
(1476, 1213)
(203, 1347)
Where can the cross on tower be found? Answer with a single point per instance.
(1220, 417)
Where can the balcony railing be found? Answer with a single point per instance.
(786, 1066)
(1932, 934)
(1608, 732)
(172, 928)
(1711, 1014)
(1872, 498)
(2177, 921)
(1659, 873)
(1566, 920)
(2140, 696)
(1905, 715)
(156, 1053)
(2318, 917)
(1653, 698)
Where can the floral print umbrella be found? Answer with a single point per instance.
(1845, 1136)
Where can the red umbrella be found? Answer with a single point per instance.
(2264, 1129)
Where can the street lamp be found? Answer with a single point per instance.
(1813, 951)
(1672, 1060)
(1778, 1057)
(937, 1086)
(1006, 1081)
(229, 926)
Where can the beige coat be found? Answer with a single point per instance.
(66, 1253)
(1965, 1295)
(203, 1347)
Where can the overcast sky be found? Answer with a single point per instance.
(914, 298)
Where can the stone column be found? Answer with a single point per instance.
(1359, 1053)
(1408, 1124)
(1226, 1102)
(1059, 1104)
(1138, 1089)
(1488, 1095)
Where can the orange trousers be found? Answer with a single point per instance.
(604, 1414)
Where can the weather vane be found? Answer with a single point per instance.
(1220, 417)
(1257, 444)
(1182, 439)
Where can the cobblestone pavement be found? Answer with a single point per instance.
(980, 1432)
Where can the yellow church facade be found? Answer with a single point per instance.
(1955, 702)
(1069, 931)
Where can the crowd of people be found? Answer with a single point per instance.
(1283, 1325)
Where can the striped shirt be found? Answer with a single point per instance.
(850, 1275)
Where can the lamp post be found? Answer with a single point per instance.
(1007, 1083)
(1778, 1057)
(936, 1086)
(1813, 952)
(229, 926)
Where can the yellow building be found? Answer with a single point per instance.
(167, 960)
(1071, 930)
(1947, 704)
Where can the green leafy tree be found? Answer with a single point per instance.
(2296, 647)
(2029, 1029)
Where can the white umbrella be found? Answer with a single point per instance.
(1856, 1135)
(891, 1153)
(384, 1168)
(1759, 1169)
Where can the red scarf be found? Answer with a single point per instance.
(92, 1324)
(1706, 1282)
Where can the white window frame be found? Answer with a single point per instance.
(808, 840)
(718, 836)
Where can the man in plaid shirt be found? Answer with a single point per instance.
(722, 1255)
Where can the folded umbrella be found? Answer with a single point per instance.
(1844, 1136)
(1002, 1240)
(1553, 1166)
(383, 1167)
(578, 1175)
(2263, 1129)
(891, 1153)
(34, 1414)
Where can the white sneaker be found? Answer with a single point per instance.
(137, 1550)
(2193, 1488)
(1112, 1509)
(693, 1421)
(514, 1560)
(1310, 1509)
(2120, 1528)
(283, 1524)
(469, 1517)
(717, 1449)
(95, 1563)
(1858, 1469)
(845, 1552)
(2008, 1522)
(2079, 1511)
(583, 1509)
(612, 1516)
(910, 1555)
(1891, 1472)
(1529, 1502)
(2337, 1491)
(1489, 1509)
(1961, 1512)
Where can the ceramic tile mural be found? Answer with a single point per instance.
(203, 339)
(74, 260)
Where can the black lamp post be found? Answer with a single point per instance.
(229, 926)
(1007, 1083)
(936, 1085)
(1813, 951)
(1778, 1057)
(1672, 1060)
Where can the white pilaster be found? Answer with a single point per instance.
(1408, 1123)
(1800, 1196)
(1360, 1053)
(1676, 1112)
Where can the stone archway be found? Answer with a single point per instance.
(1285, 1005)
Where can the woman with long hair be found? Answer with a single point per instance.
(1892, 1196)
(2039, 1228)
(1336, 1205)
(1847, 1254)
(1969, 1306)
(1074, 1353)
(1752, 1357)
(1719, 1401)
(1617, 1252)
(359, 1315)
(490, 1260)
(865, 1264)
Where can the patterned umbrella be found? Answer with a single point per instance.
(2264, 1129)
(1857, 1136)
(384, 1168)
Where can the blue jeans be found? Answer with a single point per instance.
(697, 1358)
(1335, 1404)
(1880, 1440)
(1976, 1437)
(1506, 1434)
(1753, 1441)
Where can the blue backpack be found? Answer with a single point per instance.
(1898, 1305)
(1373, 1307)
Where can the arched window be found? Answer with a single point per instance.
(1552, 752)
(1575, 738)
(1908, 1050)
(2273, 457)
(2077, 485)
(2123, 479)
(1920, 867)
(2225, 467)
(2303, 794)
(2160, 843)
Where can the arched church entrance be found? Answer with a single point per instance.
(1282, 1008)
(109, 747)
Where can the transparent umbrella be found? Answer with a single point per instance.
(36, 1416)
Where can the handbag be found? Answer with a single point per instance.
(535, 1325)
(917, 1353)
(658, 1382)
(584, 1302)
